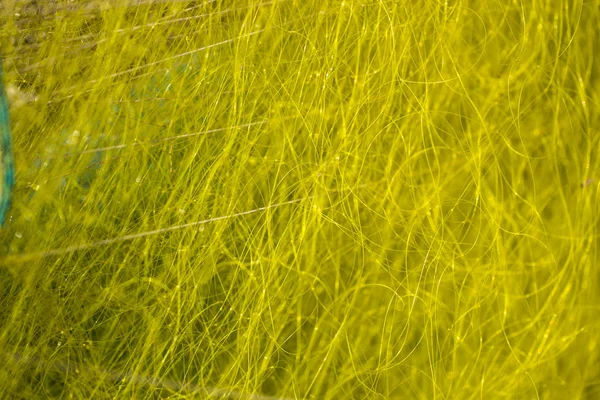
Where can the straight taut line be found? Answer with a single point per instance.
(187, 53)
(185, 135)
(66, 250)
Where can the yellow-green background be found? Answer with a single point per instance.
(302, 199)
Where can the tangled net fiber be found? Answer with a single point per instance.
(290, 199)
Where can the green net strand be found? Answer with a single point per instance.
(6, 158)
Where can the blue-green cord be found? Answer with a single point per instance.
(6, 161)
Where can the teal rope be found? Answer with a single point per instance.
(7, 170)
